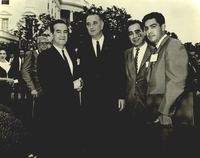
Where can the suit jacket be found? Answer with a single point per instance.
(56, 80)
(29, 71)
(59, 115)
(136, 88)
(101, 75)
(168, 75)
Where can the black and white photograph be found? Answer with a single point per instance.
(99, 79)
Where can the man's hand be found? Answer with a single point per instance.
(121, 104)
(34, 93)
(78, 84)
(10, 81)
(165, 120)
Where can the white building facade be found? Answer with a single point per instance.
(11, 11)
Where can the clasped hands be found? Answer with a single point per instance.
(78, 84)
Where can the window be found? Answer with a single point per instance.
(5, 2)
(4, 24)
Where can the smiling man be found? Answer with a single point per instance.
(60, 112)
(136, 59)
(168, 71)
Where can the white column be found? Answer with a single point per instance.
(71, 16)
(1, 24)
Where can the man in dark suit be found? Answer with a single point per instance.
(60, 112)
(100, 61)
(136, 62)
(167, 69)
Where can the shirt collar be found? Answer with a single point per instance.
(160, 41)
(100, 40)
(143, 47)
(59, 49)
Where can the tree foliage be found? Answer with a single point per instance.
(12, 132)
(30, 27)
(115, 20)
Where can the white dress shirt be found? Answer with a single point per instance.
(67, 56)
(141, 54)
(94, 43)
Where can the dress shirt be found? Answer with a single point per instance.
(94, 43)
(141, 54)
(67, 56)
(160, 41)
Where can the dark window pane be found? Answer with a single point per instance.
(5, 1)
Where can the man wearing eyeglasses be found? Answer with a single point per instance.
(29, 67)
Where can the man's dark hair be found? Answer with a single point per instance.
(154, 15)
(132, 22)
(94, 13)
(57, 21)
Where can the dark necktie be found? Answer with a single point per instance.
(98, 49)
(65, 58)
(155, 50)
(136, 59)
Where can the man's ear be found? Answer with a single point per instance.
(102, 25)
(163, 27)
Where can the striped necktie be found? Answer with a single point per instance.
(136, 59)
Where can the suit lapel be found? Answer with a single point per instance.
(160, 52)
(105, 48)
(131, 63)
(163, 43)
(91, 49)
(147, 54)
(62, 61)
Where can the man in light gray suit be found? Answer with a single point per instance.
(167, 69)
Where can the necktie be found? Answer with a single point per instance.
(65, 58)
(98, 49)
(136, 59)
(155, 50)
